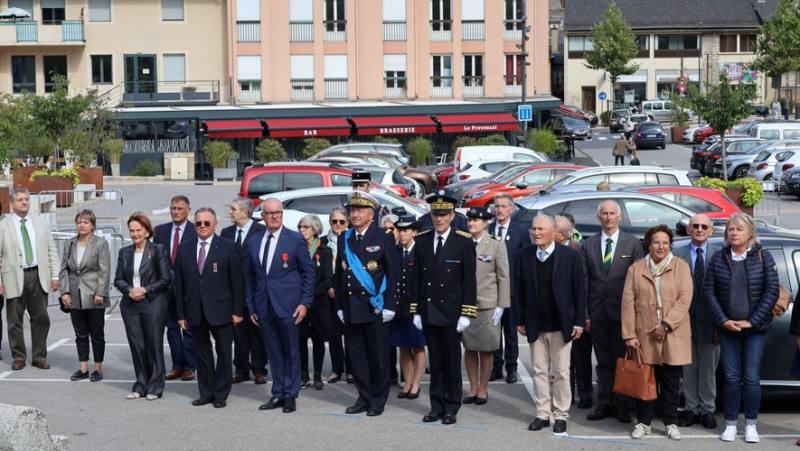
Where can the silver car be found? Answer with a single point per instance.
(763, 165)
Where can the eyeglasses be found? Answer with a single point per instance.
(199, 224)
(698, 226)
(274, 214)
(338, 221)
(85, 210)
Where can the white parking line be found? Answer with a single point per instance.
(57, 344)
(4, 375)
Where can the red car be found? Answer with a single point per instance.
(522, 184)
(442, 174)
(708, 201)
(702, 133)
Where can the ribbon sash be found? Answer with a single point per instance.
(361, 274)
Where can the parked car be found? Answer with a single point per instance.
(442, 174)
(738, 164)
(649, 134)
(521, 184)
(786, 161)
(425, 178)
(396, 150)
(776, 130)
(588, 115)
(790, 181)
(661, 110)
(697, 160)
(391, 177)
(457, 190)
(269, 178)
(733, 146)
(623, 176)
(635, 119)
(566, 127)
(688, 135)
(469, 154)
(763, 165)
(702, 133)
(761, 110)
(709, 201)
(483, 168)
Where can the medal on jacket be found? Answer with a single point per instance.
(317, 257)
(344, 265)
(285, 257)
(377, 311)
(372, 265)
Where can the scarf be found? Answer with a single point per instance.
(657, 270)
(333, 243)
(313, 246)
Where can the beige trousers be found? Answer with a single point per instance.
(549, 352)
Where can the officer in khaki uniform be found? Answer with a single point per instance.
(445, 302)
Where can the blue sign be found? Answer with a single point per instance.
(602, 95)
(524, 113)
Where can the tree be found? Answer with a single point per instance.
(614, 46)
(723, 106)
(778, 41)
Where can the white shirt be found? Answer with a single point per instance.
(272, 245)
(245, 230)
(208, 246)
(436, 239)
(79, 254)
(694, 249)
(739, 257)
(614, 241)
(505, 229)
(478, 240)
(31, 235)
(409, 248)
(547, 252)
(137, 262)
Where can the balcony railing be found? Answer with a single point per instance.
(336, 88)
(253, 95)
(302, 89)
(472, 30)
(145, 93)
(335, 30)
(29, 31)
(512, 85)
(394, 87)
(512, 31)
(394, 30)
(301, 31)
(473, 86)
(441, 30)
(442, 87)
(248, 31)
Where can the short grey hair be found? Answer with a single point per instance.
(313, 222)
(563, 224)
(206, 210)
(505, 196)
(340, 211)
(390, 218)
(16, 191)
(745, 220)
(600, 207)
(244, 203)
(545, 216)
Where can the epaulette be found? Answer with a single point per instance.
(388, 231)
(423, 232)
(495, 237)
(463, 233)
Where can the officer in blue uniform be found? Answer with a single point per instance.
(459, 221)
(446, 300)
(365, 301)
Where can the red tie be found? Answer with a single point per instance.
(175, 242)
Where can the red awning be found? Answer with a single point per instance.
(394, 125)
(477, 123)
(246, 128)
(306, 128)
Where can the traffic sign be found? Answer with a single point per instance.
(524, 113)
(682, 87)
(602, 95)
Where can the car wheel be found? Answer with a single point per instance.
(422, 190)
(702, 170)
(489, 205)
(663, 146)
(740, 172)
(768, 178)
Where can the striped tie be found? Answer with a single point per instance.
(607, 256)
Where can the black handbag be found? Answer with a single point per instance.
(635, 161)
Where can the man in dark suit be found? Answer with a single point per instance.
(249, 354)
(606, 258)
(446, 297)
(365, 301)
(699, 377)
(171, 235)
(209, 300)
(551, 297)
(279, 291)
(516, 238)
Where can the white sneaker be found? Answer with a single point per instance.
(729, 434)
(640, 431)
(673, 432)
(751, 434)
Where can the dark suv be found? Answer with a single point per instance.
(565, 127)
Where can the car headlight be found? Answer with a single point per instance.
(478, 194)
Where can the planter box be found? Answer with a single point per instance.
(22, 177)
(63, 199)
(225, 174)
(91, 176)
(677, 134)
(115, 169)
(735, 194)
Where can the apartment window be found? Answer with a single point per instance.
(99, 10)
(643, 43)
(473, 76)
(512, 13)
(302, 77)
(580, 44)
(394, 75)
(248, 10)
(441, 15)
(747, 43)
(336, 77)
(335, 19)
(175, 68)
(249, 68)
(513, 70)
(172, 9)
(394, 20)
(23, 73)
(727, 43)
(101, 69)
(472, 19)
(26, 5)
(53, 12)
(53, 66)
(676, 42)
(301, 21)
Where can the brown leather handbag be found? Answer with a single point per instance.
(634, 378)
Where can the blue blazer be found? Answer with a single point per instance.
(285, 288)
(700, 311)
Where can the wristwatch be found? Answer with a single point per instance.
(666, 326)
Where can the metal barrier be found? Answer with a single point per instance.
(60, 208)
(769, 208)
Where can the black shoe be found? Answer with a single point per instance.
(273, 403)
(449, 418)
(708, 421)
(622, 415)
(496, 375)
(468, 400)
(289, 405)
(413, 395)
(96, 376)
(585, 404)
(402, 395)
(355, 409)
(334, 379)
(560, 427)
(602, 411)
(687, 419)
(374, 412)
(305, 381)
(512, 377)
(431, 417)
(350, 379)
(79, 375)
(538, 424)
(202, 401)
(220, 404)
(318, 385)
(481, 401)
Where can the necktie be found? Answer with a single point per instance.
(266, 253)
(699, 271)
(475, 243)
(440, 244)
(607, 256)
(201, 260)
(239, 239)
(542, 255)
(405, 255)
(500, 231)
(358, 238)
(26, 242)
(175, 241)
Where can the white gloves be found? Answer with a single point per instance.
(497, 316)
(340, 314)
(388, 315)
(463, 323)
(418, 322)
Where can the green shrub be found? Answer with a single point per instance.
(216, 153)
(420, 151)
(711, 182)
(543, 141)
(604, 117)
(63, 173)
(463, 141)
(382, 139)
(270, 151)
(146, 168)
(752, 193)
(493, 140)
(315, 146)
(113, 148)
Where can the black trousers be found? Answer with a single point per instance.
(509, 345)
(619, 159)
(89, 324)
(581, 367)
(608, 346)
(316, 326)
(340, 360)
(214, 381)
(668, 382)
(249, 353)
(444, 354)
(370, 342)
(144, 325)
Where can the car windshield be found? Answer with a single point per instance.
(506, 174)
(556, 182)
(651, 126)
(758, 148)
(572, 122)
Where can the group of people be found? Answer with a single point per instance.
(368, 287)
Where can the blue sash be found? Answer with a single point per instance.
(361, 274)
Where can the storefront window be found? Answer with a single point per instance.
(630, 94)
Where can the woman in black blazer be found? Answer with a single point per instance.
(316, 325)
(143, 277)
(340, 362)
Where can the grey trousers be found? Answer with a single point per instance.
(34, 300)
(699, 378)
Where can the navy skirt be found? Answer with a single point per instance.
(405, 334)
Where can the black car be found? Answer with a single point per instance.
(649, 134)
(733, 147)
(761, 110)
(698, 158)
(566, 127)
(790, 181)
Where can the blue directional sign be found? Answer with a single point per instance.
(524, 113)
(602, 95)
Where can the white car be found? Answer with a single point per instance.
(688, 135)
(763, 165)
(320, 202)
(623, 176)
(480, 168)
(786, 161)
